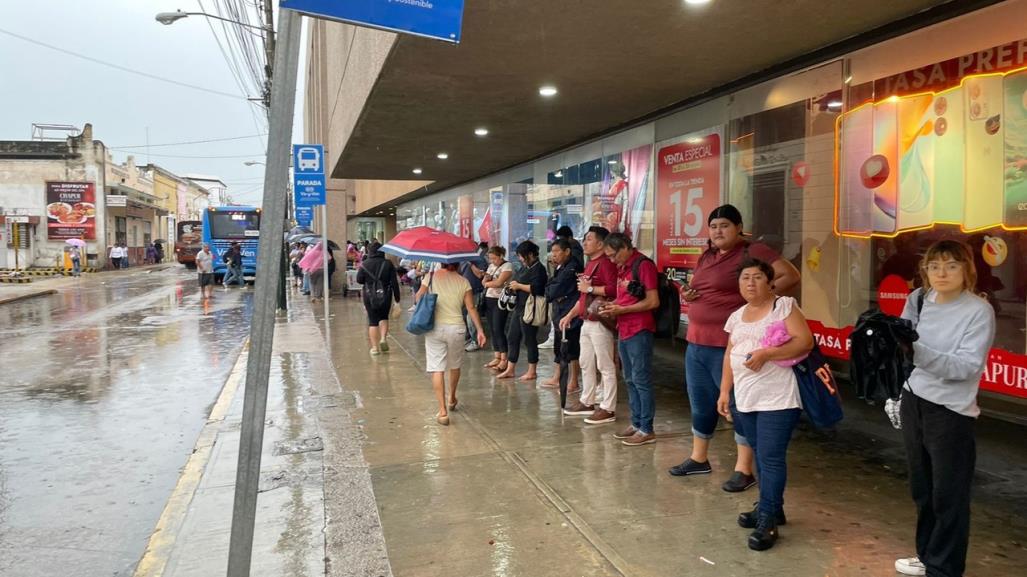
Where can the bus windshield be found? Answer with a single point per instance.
(234, 225)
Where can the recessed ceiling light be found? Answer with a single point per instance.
(834, 104)
(611, 162)
(481, 131)
(442, 156)
(418, 171)
(548, 91)
(697, 2)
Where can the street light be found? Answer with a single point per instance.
(169, 18)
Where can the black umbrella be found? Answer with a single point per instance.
(298, 231)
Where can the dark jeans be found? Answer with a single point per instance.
(565, 352)
(497, 325)
(234, 274)
(769, 433)
(519, 330)
(703, 368)
(636, 359)
(942, 453)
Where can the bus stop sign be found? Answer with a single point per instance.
(438, 19)
(304, 215)
(308, 174)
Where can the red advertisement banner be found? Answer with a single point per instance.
(942, 75)
(687, 190)
(1004, 373)
(71, 210)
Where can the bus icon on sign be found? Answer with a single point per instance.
(308, 159)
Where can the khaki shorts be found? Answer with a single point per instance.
(444, 348)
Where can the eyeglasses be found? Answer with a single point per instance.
(950, 267)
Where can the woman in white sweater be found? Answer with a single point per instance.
(939, 405)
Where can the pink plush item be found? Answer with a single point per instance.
(777, 335)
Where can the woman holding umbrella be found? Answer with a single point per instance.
(312, 263)
(75, 254)
(444, 344)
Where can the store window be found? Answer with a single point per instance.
(932, 145)
(120, 230)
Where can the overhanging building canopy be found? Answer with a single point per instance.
(613, 63)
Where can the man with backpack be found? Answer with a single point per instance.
(380, 289)
(635, 298)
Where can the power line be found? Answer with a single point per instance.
(254, 155)
(120, 67)
(189, 142)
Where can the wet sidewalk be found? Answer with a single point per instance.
(514, 488)
(315, 509)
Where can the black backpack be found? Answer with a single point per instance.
(668, 314)
(375, 290)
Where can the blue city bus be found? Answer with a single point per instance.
(223, 225)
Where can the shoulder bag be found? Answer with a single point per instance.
(423, 319)
(536, 310)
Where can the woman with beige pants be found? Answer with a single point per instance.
(444, 345)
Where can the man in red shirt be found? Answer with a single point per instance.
(599, 281)
(636, 297)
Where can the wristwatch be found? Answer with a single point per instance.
(591, 290)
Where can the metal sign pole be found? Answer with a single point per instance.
(262, 327)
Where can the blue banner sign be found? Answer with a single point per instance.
(308, 174)
(439, 19)
(304, 215)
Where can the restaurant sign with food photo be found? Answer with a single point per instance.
(71, 210)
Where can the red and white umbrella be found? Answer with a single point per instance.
(426, 243)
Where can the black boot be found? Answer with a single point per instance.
(765, 535)
(748, 519)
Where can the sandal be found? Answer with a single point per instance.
(442, 419)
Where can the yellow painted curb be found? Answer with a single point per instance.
(162, 541)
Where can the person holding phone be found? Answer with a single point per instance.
(712, 296)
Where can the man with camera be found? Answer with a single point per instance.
(635, 298)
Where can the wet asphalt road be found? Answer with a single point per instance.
(104, 388)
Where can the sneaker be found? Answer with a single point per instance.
(690, 467)
(577, 408)
(639, 438)
(375, 351)
(738, 482)
(765, 535)
(384, 346)
(471, 347)
(748, 519)
(626, 433)
(910, 566)
(601, 416)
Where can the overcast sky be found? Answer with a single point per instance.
(43, 86)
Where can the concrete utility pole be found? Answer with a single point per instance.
(269, 48)
(262, 327)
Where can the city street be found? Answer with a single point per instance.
(105, 388)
